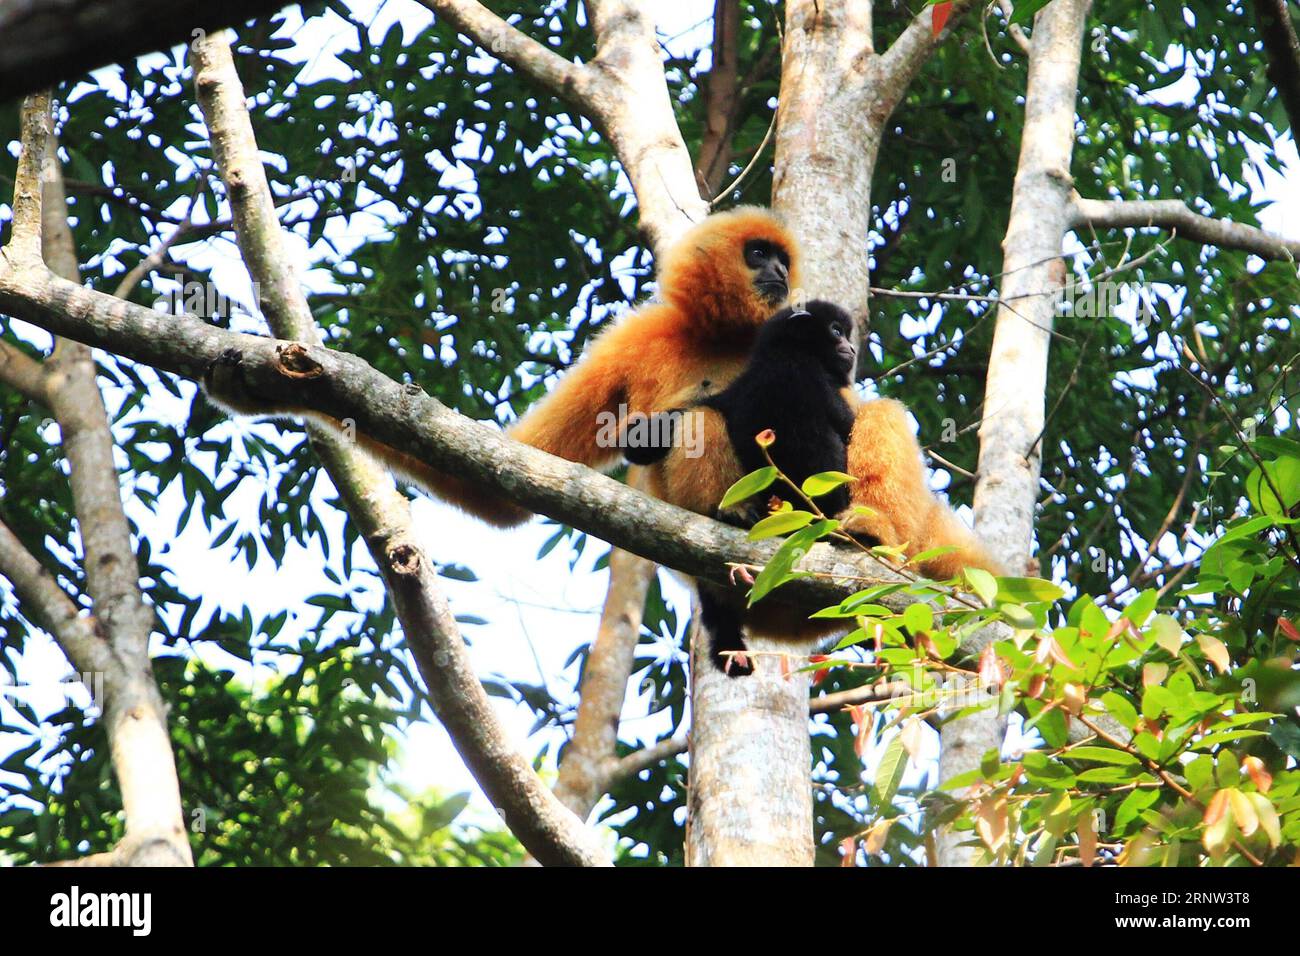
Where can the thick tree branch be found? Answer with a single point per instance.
(1277, 29)
(1010, 458)
(899, 64)
(47, 42)
(382, 514)
(339, 385)
(1175, 215)
(582, 780)
(45, 603)
(720, 91)
(623, 91)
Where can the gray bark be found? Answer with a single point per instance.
(1015, 390)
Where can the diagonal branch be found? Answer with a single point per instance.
(383, 515)
(22, 373)
(1277, 30)
(1176, 215)
(343, 386)
(45, 603)
(623, 91)
(543, 66)
(899, 64)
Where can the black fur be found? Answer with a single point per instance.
(801, 360)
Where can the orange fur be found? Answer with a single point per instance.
(885, 459)
(692, 341)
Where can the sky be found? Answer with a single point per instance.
(538, 611)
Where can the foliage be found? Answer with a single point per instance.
(1188, 712)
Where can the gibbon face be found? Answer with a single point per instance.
(820, 330)
(770, 266)
(730, 272)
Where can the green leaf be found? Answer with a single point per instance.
(782, 522)
(779, 568)
(1132, 807)
(983, 584)
(889, 774)
(918, 617)
(1283, 477)
(1018, 616)
(1107, 775)
(924, 556)
(1199, 772)
(1101, 755)
(1027, 590)
(1025, 9)
(749, 486)
(1140, 607)
(1119, 708)
(823, 483)
(1050, 773)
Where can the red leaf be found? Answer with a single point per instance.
(939, 16)
(864, 722)
(1288, 629)
(821, 673)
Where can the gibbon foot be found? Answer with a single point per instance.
(722, 620)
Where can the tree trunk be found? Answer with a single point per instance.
(1015, 390)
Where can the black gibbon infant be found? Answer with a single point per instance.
(792, 385)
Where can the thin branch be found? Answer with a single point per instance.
(1016, 31)
(647, 757)
(749, 167)
(1174, 214)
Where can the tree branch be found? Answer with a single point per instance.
(22, 373)
(543, 66)
(1277, 30)
(134, 715)
(623, 91)
(46, 604)
(899, 64)
(49, 42)
(604, 685)
(720, 107)
(1175, 215)
(340, 385)
(549, 831)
